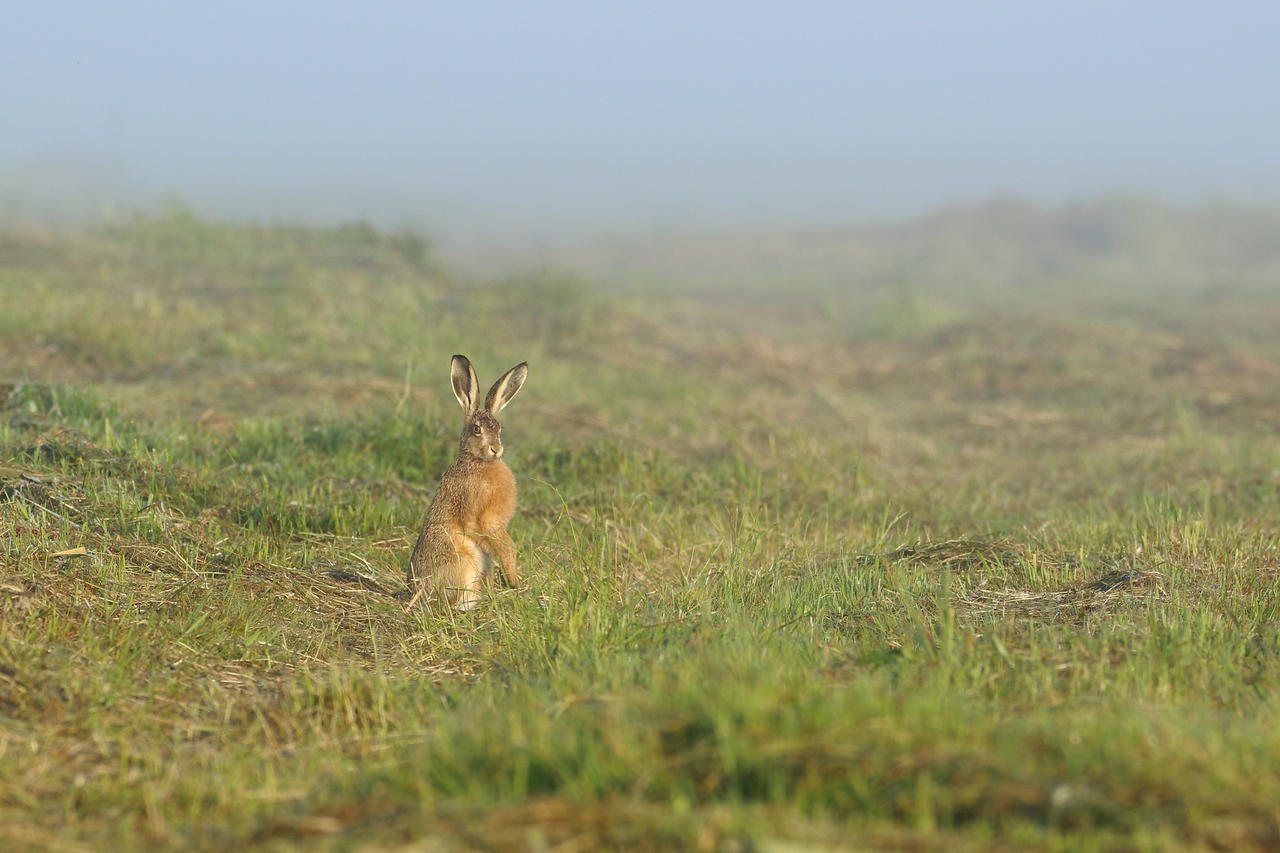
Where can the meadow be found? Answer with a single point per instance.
(957, 534)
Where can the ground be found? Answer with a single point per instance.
(968, 537)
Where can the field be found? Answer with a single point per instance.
(959, 534)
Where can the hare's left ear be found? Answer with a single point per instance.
(506, 387)
(465, 385)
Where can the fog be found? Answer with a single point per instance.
(515, 119)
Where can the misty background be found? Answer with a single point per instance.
(494, 120)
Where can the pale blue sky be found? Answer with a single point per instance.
(641, 112)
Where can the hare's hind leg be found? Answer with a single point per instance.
(463, 591)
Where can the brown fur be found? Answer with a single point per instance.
(466, 525)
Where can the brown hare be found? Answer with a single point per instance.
(466, 525)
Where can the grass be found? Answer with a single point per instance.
(954, 579)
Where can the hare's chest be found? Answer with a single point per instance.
(495, 495)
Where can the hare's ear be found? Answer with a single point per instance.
(465, 385)
(506, 387)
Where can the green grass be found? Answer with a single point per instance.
(942, 578)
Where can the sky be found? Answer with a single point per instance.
(600, 115)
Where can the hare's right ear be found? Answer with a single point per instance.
(465, 385)
(506, 387)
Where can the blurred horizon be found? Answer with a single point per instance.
(498, 119)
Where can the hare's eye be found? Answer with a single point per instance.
(476, 429)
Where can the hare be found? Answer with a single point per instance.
(466, 524)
